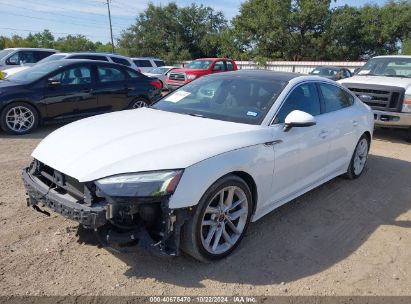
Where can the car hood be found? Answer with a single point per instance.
(379, 80)
(141, 140)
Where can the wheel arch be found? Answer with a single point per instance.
(249, 180)
(39, 113)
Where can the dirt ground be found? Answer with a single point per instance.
(344, 238)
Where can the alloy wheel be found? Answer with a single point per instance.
(224, 220)
(360, 157)
(139, 104)
(20, 119)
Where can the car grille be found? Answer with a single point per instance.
(60, 182)
(177, 76)
(385, 98)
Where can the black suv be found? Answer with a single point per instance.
(67, 90)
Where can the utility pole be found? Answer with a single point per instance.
(111, 28)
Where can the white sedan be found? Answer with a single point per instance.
(160, 73)
(194, 169)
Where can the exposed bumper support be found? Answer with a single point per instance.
(99, 217)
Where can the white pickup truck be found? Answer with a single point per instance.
(384, 83)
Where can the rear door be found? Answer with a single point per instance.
(111, 88)
(341, 120)
(71, 93)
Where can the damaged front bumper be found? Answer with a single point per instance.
(146, 221)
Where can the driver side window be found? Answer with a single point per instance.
(73, 76)
(304, 98)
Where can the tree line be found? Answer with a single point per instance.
(263, 30)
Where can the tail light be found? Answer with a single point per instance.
(156, 83)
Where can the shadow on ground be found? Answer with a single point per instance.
(39, 133)
(302, 238)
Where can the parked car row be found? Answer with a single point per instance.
(70, 89)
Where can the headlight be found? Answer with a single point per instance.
(144, 184)
(406, 106)
(191, 76)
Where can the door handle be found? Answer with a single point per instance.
(89, 90)
(323, 134)
(355, 123)
(272, 143)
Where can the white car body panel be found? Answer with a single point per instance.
(207, 149)
(380, 80)
(11, 71)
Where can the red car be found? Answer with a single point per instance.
(198, 68)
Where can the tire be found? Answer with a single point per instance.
(359, 158)
(19, 118)
(409, 134)
(139, 102)
(208, 220)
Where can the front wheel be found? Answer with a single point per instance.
(359, 158)
(19, 118)
(219, 221)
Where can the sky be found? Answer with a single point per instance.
(89, 17)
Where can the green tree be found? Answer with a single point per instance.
(74, 43)
(174, 33)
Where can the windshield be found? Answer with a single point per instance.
(52, 58)
(394, 66)
(324, 72)
(4, 53)
(199, 64)
(159, 71)
(36, 72)
(230, 98)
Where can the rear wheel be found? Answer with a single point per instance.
(359, 158)
(409, 134)
(139, 102)
(19, 118)
(219, 221)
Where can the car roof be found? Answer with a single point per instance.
(146, 58)
(74, 61)
(213, 59)
(31, 49)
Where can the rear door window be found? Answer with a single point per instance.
(110, 74)
(335, 98)
(39, 55)
(143, 63)
(159, 63)
(230, 66)
(219, 66)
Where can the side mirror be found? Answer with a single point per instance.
(53, 82)
(298, 118)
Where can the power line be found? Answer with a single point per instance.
(38, 31)
(55, 20)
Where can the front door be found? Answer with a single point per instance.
(69, 93)
(300, 153)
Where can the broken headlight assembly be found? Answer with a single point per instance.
(144, 184)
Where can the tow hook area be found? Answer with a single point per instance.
(117, 239)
